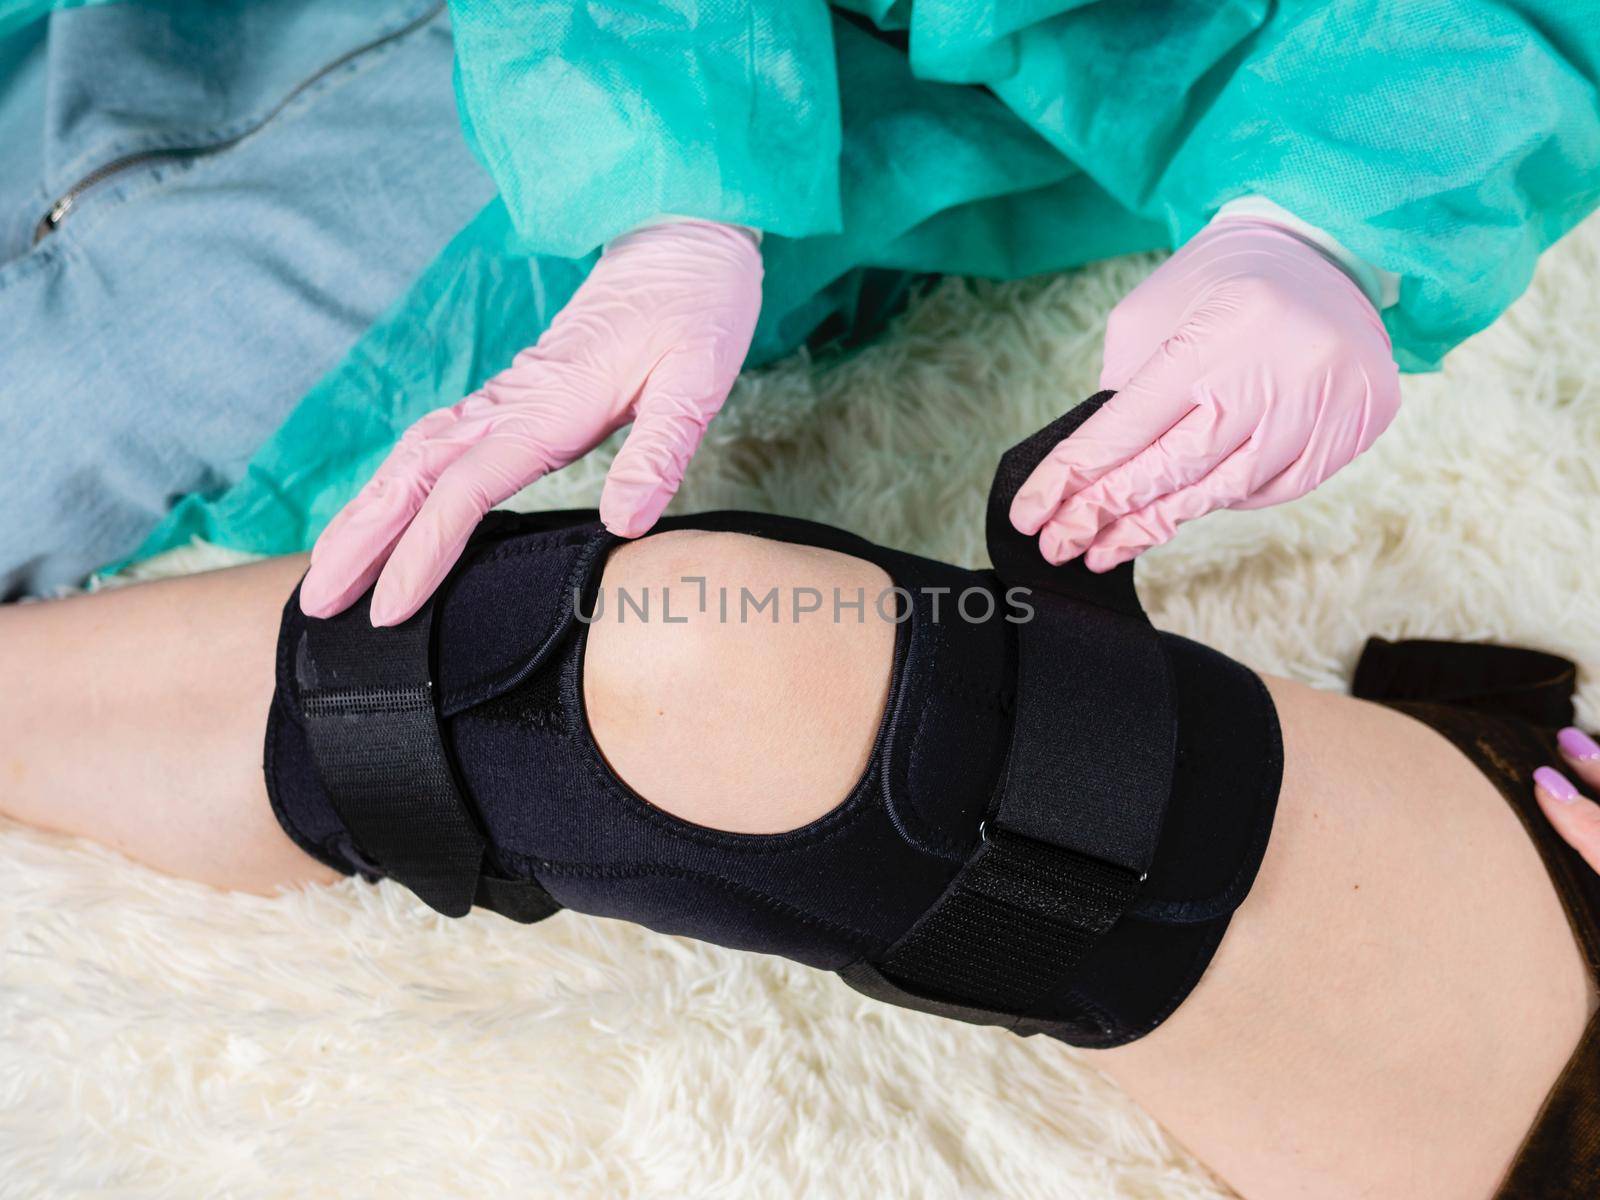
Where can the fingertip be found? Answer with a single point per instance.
(394, 599)
(1574, 818)
(1114, 379)
(627, 520)
(387, 613)
(1555, 786)
(1068, 536)
(320, 596)
(1100, 560)
(1051, 547)
(631, 511)
(1028, 513)
(381, 611)
(1577, 746)
(622, 520)
(1039, 496)
(318, 608)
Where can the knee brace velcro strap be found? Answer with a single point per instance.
(367, 699)
(368, 703)
(1074, 828)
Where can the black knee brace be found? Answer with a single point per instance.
(1060, 813)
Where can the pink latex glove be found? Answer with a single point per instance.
(656, 335)
(1248, 369)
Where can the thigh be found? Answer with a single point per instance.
(1398, 993)
(267, 208)
(141, 723)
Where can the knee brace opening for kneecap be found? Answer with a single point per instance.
(1060, 812)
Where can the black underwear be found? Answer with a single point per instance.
(1502, 706)
(1058, 818)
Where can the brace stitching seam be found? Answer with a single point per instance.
(533, 865)
(928, 832)
(830, 825)
(470, 694)
(1165, 911)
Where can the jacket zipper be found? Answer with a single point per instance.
(68, 200)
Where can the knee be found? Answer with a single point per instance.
(724, 684)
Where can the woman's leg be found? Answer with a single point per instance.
(791, 708)
(1398, 992)
(1383, 1017)
(135, 716)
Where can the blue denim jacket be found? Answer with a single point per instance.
(240, 189)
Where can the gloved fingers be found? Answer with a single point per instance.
(352, 549)
(674, 408)
(544, 412)
(332, 594)
(1340, 433)
(1119, 360)
(1155, 400)
(1317, 460)
(1179, 457)
(1134, 332)
(489, 472)
(1297, 479)
(1155, 523)
(398, 464)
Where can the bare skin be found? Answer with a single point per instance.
(136, 717)
(1397, 994)
(1384, 1016)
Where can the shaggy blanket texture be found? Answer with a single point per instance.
(159, 1039)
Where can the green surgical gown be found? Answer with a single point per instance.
(1446, 141)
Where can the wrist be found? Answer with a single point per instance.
(661, 219)
(1381, 287)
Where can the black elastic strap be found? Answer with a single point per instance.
(520, 900)
(1093, 736)
(371, 722)
(1084, 797)
(1020, 915)
(1016, 555)
(1090, 767)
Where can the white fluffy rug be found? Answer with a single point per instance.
(157, 1039)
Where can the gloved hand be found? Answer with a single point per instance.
(656, 335)
(1248, 369)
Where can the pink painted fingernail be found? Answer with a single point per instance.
(1575, 743)
(1556, 785)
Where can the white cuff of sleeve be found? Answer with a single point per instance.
(674, 218)
(1382, 287)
